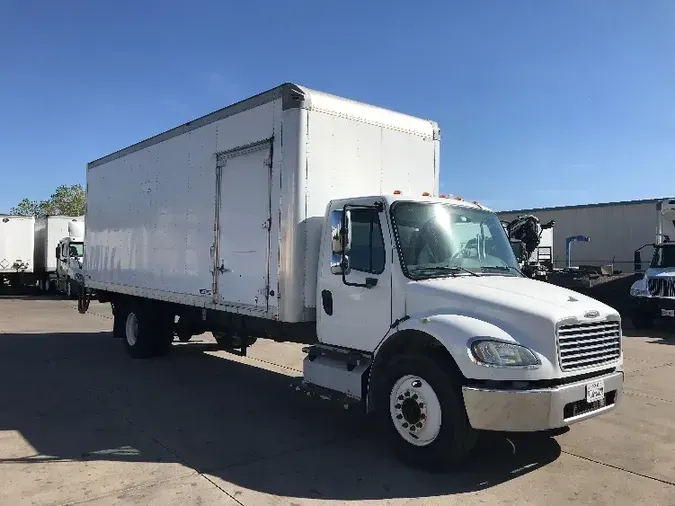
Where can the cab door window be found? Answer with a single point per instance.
(367, 252)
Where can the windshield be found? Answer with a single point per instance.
(664, 257)
(443, 239)
(76, 249)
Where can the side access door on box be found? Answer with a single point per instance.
(242, 231)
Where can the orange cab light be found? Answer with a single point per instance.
(397, 192)
(458, 198)
(426, 194)
(442, 196)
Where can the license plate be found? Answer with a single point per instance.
(668, 312)
(595, 391)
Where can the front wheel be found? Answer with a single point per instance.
(71, 289)
(425, 416)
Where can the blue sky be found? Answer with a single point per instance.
(540, 102)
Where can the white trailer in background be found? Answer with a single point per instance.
(59, 249)
(300, 216)
(16, 249)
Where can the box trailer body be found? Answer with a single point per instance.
(299, 216)
(49, 230)
(226, 211)
(16, 247)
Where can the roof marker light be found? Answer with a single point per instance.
(426, 194)
(397, 192)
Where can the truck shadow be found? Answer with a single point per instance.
(26, 293)
(661, 333)
(78, 397)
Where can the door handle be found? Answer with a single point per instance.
(327, 300)
(223, 269)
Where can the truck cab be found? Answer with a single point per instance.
(430, 291)
(653, 295)
(69, 260)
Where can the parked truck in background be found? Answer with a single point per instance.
(300, 216)
(59, 249)
(16, 250)
(653, 295)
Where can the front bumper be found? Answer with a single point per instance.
(653, 306)
(540, 409)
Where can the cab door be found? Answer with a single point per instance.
(354, 309)
(61, 259)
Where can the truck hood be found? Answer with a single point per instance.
(661, 272)
(528, 310)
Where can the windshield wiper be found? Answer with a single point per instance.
(502, 268)
(443, 269)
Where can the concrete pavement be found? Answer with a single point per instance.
(81, 423)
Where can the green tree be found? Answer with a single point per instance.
(66, 200)
(28, 207)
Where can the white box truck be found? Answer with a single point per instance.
(300, 216)
(16, 250)
(59, 250)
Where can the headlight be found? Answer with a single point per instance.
(639, 292)
(501, 354)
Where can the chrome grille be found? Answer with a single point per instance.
(582, 345)
(661, 287)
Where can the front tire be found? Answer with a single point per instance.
(71, 289)
(425, 417)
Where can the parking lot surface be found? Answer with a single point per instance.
(82, 423)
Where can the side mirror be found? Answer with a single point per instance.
(336, 232)
(346, 232)
(637, 261)
(341, 233)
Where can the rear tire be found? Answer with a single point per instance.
(229, 341)
(119, 319)
(147, 332)
(424, 415)
(184, 338)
